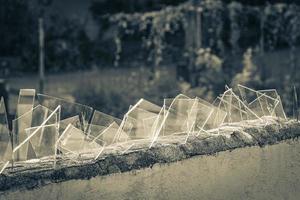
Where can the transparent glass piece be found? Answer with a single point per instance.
(25, 101)
(68, 109)
(38, 116)
(135, 121)
(215, 119)
(108, 135)
(278, 110)
(201, 113)
(73, 141)
(101, 122)
(177, 114)
(5, 140)
(177, 117)
(157, 126)
(263, 102)
(75, 121)
(138, 119)
(235, 108)
(43, 139)
(247, 95)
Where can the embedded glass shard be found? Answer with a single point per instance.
(68, 109)
(5, 140)
(278, 110)
(178, 112)
(177, 117)
(138, 119)
(203, 113)
(25, 101)
(25, 104)
(263, 102)
(36, 117)
(109, 134)
(157, 126)
(217, 116)
(101, 121)
(75, 121)
(236, 109)
(43, 139)
(74, 142)
(252, 99)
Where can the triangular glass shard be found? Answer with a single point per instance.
(104, 128)
(138, 119)
(204, 113)
(5, 140)
(43, 139)
(25, 101)
(75, 121)
(278, 107)
(38, 116)
(68, 109)
(100, 122)
(253, 100)
(266, 103)
(217, 116)
(235, 108)
(177, 111)
(74, 142)
(108, 135)
(179, 116)
(157, 126)
(25, 104)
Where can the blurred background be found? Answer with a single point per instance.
(109, 53)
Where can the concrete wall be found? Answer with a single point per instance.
(270, 172)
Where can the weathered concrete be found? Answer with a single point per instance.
(30, 176)
(270, 172)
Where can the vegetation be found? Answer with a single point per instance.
(234, 38)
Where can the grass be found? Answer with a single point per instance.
(108, 90)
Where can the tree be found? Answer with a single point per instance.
(250, 75)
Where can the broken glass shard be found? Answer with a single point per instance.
(202, 114)
(263, 102)
(138, 119)
(217, 116)
(100, 122)
(5, 140)
(68, 108)
(25, 101)
(278, 107)
(177, 114)
(75, 121)
(236, 110)
(43, 139)
(36, 117)
(74, 142)
(157, 126)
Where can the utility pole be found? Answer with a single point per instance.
(41, 56)
(198, 27)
